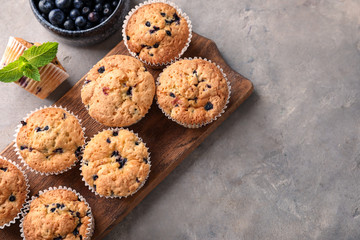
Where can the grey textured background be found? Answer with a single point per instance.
(286, 164)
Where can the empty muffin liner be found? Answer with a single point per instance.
(215, 117)
(90, 229)
(51, 75)
(141, 185)
(18, 216)
(17, 150)
(182, 13)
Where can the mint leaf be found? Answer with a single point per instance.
(31, 71)
(12, 72)
(41, 55)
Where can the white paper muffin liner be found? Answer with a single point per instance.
(51, 75)
(214, 118)
(182, 13)
(141, 185)
(27, 194)
(90, 229)
(17, 150)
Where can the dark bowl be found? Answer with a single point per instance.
(89, 36)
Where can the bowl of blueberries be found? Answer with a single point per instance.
(81, 22)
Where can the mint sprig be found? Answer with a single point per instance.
(27, 65)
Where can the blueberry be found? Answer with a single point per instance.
(148, 24)
(208, 106)
(77, 213)
(121, 162)
(129, 91)
(58, 238)
(98, 7)
(208, 86)
(80, 21)
(46, 128)
(195, 72)
(168, 32)
(108, 140)
(156, 45)
(85, 11)
(63, 3)
(58, 205)
(69, 24)
(58, 150)
(163, 14)
(172, 95)
(93, 17)
(56, 17)
(3, 169)
(23, 147)
(46, 6)
(107, 11)
(78, 4)
(136, 143)
(74, 13)
(114, 3)
(128, 38)
(115, 133)
(95, 177)
(99, 1)
(115, 154)
(145, 160)
(107, 5)
(23, 123)
(101, 69)
(89, 25)
(103, 19)
(137, 180)
(154, 30)
(64, 116)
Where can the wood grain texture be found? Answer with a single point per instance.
(168, 142)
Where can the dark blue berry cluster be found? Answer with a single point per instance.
(76, 14)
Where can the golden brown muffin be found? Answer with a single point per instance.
(58, 214)
(13, 191)
(50, 140)
(118, 91)
(192, 92)
(157, 33)
(116, 163)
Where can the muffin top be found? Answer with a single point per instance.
(157, 33)
(57, 214)
(50, 140)
(118, 91)
(192, 92)
(115, 163)
(13, 191)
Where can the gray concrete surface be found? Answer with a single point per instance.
(286, 164)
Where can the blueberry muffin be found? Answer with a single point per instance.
(192, 92)
(50, 140)
(115, 163)
(157, 33)
(58, 214)
(118, 91)
(52, 74)
(13, 191)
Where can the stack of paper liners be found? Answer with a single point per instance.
(51, 75)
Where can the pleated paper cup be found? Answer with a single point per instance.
(18, 216)
(215, 117)
(178, 10)
(51, 76)
(89, 230)
(92, 189)
(78, 151)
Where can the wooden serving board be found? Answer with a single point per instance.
(169, 143)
